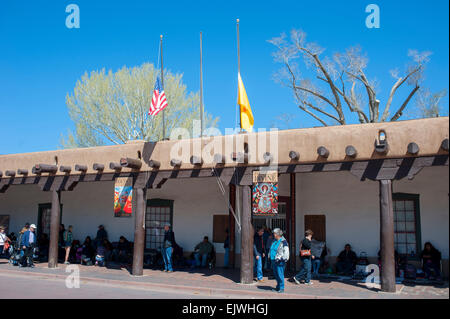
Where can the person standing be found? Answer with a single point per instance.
(27, 243)
(316, 254)
(167, 249)
(68, 239)
(4, 240)
(101, 235)
(259, 251)
(226, 247)
(304, 274)
(279, 255)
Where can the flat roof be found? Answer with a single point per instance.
(428, 134)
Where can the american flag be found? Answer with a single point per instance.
(159, 100)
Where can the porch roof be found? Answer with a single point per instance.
(428, 134)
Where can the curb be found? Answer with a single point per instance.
(219, 292)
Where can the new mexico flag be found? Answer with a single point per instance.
(245, 110)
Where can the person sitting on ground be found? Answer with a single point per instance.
(27, 243)
(431, 258)
(87, 251)
(121, 252)
(203, 250)
(100, 259)
(109, 250)
(259, 251)
(346, 261)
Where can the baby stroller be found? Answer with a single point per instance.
(15, 253)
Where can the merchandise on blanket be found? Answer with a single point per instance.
(410, 272)
(363, 260)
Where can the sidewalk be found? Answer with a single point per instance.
(223, 283)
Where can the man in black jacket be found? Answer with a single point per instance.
(346, 261)
(168, 246)
(259, 251)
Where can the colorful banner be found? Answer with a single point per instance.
(265, 193)
(123, 195)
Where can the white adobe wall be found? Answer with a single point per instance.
(351, 208)
(91, 204)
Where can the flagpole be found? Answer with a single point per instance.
(239, 65)
(162, 85)
(201, 87)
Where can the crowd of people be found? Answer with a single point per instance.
(270, 250)
(97, 252)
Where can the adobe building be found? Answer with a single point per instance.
(380, 185)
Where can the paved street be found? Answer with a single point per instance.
(116, 282)
(25, 287)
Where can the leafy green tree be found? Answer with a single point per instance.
(112, 108)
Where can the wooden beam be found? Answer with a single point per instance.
(45, 168)
(139, 232)
(154, 164)
(175, 162)
(115, 166)
(294, 156)
(350, 151)
(219, 159)
(196, 160)
(387, 237)
(292, 221)
(323, 151)
(98, 167)
(268, 158)
(22, 171)
(247, 234)
(65, 169)
(444, 145)
(413, 148)
(232, 224)
(81, 168)
(55, 218)
(131, 163)
(10, 173)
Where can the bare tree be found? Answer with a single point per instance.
(340, 81)
(429, 103)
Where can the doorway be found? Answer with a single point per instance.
(317, 224)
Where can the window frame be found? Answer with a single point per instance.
(157, 202)
(41, 208)
(416, 202)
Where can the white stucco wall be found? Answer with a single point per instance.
(351, 208)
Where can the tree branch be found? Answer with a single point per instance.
(400, 110)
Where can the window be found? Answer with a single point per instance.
(406, 224)
(159, 212)
(44, 218)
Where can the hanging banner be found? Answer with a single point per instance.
(123, 195)
(265, 193)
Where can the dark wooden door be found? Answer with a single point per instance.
(317, 224)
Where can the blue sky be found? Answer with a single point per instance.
(41, 59)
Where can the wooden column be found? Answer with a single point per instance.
(292, 222)
(232, 226)
(387, 237)
(139, 232)
(55, 220)
(247, 234)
